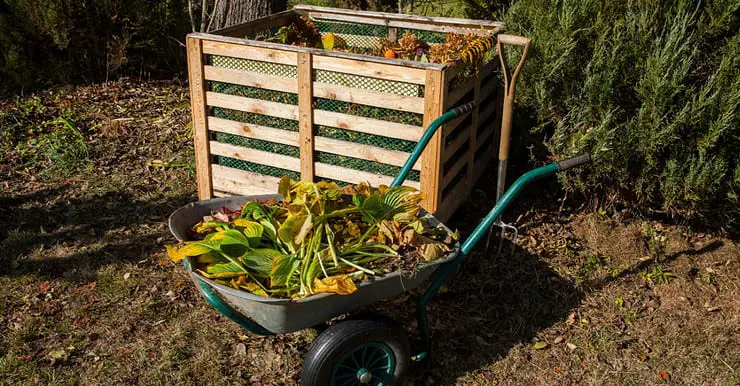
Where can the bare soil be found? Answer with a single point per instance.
(87, 295)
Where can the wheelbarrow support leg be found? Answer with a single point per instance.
(448, 269)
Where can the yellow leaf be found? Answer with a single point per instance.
(177, 254)
(342, 285)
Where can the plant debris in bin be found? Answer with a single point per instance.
(467, 48)
(320, 238)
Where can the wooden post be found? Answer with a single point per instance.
(305, 114)
(200, 122)
(431, 159)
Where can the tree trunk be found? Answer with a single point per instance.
(232, 12)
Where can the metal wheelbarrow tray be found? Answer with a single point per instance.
(279, 315)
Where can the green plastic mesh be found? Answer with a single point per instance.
(268, 68)
(369, 83)
(366, 139)
(255, 168)
(363, 165)
(255, 119)
(359, 110)
(254, 92)
(272, 147)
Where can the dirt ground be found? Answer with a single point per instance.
(87, 295)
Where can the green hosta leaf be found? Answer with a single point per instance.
(284, 188)
(260, 260)
(283, 267)
(193, 248)
(401, 199)
(252, 229)
(222, 271)
(295, 228)
(232, 242)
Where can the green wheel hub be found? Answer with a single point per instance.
(368, 364)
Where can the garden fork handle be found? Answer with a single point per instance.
(508, 113)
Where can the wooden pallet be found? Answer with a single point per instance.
(455, 158)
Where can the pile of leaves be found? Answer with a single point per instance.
(467, 48)
(320, 238)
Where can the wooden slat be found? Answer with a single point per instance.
(471, 23)
(249, 28)
(368, 125)
(250, 130)
(456, 197)
(483, 138)
(370, 98)
(317, 51)
(450, 126)
(454, 170)
(431, 159)
(256, 156)
(456, 143)
(329, 145)
(362, 151)
(458, 92)
(238, 181)
(481, 164)
(218, 193)
(486, 113)
(305, 115)
(366, 68)
(250, 52)
(200, 125)
(487, 89)
(355, 176)
(251, 105)
(252, 79)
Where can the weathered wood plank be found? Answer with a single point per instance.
(362, 151)
(317, 51)
(251, 105)
(252, 79)
(487, 24)
(456, 197)
(250, 130)
(368, 125)
(454, 95)
(305, 115)
(355, 176)
(370, 98)
(431, 159)
(200, 124)
(366, 68)
(256, 156)
(251, 52)
(454, 170)
(243, 182)
(456, 143)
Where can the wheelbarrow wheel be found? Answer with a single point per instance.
(357, 352)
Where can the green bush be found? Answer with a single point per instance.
(651, 88)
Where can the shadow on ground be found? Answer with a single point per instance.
(45, 234)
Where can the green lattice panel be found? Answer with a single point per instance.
(363, 165)
(269, 68)
(255, 168)
(255, 119)
(368, 83)
(366, 139)
(254, 92)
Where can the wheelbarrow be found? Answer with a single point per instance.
(353, 351)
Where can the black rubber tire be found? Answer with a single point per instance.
(342, 338)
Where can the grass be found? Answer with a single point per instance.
(87, 295)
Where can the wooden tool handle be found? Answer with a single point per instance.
(509, 84)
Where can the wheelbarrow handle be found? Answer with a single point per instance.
(448, 269)
(427, 136)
